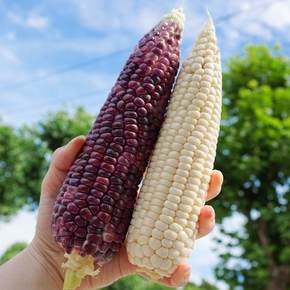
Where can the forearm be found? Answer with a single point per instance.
(27, 271)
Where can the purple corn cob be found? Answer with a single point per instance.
(95, 204)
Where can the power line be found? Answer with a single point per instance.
(59, 71)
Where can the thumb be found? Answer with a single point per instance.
(62, 159)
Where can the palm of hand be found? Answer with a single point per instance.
(44, 244)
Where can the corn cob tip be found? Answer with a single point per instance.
(176, 15)
(209, 23)
(76, 268)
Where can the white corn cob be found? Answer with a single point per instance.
(164, 223)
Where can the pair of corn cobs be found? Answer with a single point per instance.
(144, 119)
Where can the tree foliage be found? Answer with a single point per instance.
(25, 152)
(253, 154)
(12, 251)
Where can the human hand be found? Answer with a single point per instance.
(50, 254)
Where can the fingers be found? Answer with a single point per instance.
(215, 184)
(179, 278)
(206, 221)
(62, 159)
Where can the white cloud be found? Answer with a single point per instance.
(11, 35)
(37, 22)
(31, 20)
(8, 56)
(278, 15)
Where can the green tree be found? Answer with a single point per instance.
(12, 251)
(253, 154)
(25, 154)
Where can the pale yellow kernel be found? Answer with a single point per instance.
(173, 253)
(166, 175)
(178, 185)
(196, 173)
(179, 179)
(185, 159)
(170, 205)
(155, 244)
(194, 180)
(186, 200)
(147, 263)
(166, 219)
(204, 90)
(175, 227)
(161, 226)
(144, 230)
(175, 191)
(181, 214)
(167, 243)
(142, 240)
(191, 191)
(172, 162)
(180, 139)
(168, 212)
(157, 234)
(161, 188)
(173, 198)
(197, 166)
(191, 224)
(178, 245)
(183, 173)
(196, 210)
(185, 252)
(189, 232)
(173, 154)
(182, 236)
(162, 252)
(164, 182)
(157, 202)
(185, 208)
(170, 235)
(176, 146)
(138, 251)
(184, 166)
(169, 169)
(152, 215)
(181, 221)
(166, 264)
(147, 221)
(156, 261)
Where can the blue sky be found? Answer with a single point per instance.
(60, 52)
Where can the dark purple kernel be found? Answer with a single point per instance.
(107, 136)
(132, 142)
(130, 135)
(117, 125)
(115, 220)
(79, 169)
(89, 248)
(112, 153)
(117, 188)
(100, 187)
(117, 212)
(100, 148)
(104, 217)
(93, 200)
(72, 208)
(130, 121)
(116, 180)
(96, 155)
(94, 209)
(80, 232)
(109, 237)
(115, 195)
(80, 221)
(117, 133)
(75, 175)
(107, 199)
(123, 161)
(86, 214)
(97, 193)
(128, 98)
(86, 181)
(67, 216)
(140, 91)
(80, 203)
(130, 107)
(81, 195)
(122, 168)
(108, 167)
(130, 149)
(91, 168)
(103, 180)
(110, 159)
(93, 230)
(119, 140)
(94, 162)
(94, 238)
(106, 207)
(83, 188)
(97, 223)
(104, 173)
(130, 114)
(71, 226)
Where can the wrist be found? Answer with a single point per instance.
(46, 265)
